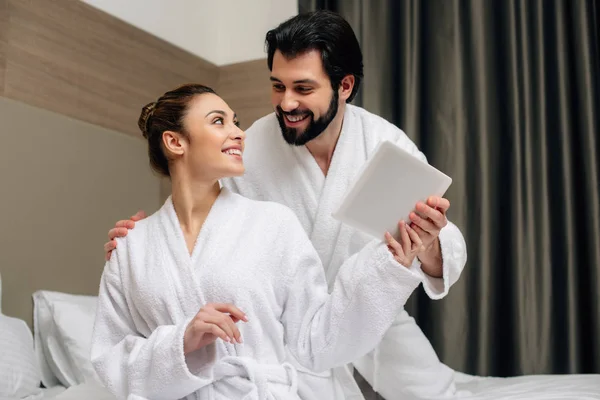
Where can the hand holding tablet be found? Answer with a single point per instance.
(396, 192)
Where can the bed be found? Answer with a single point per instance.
(56, 355)
(530, 387)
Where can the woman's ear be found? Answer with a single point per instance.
(174, 143)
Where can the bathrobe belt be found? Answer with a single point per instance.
(253, 378)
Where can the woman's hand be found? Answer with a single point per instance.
(408, 245)
(213, 321)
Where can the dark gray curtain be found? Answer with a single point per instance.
(504, 96)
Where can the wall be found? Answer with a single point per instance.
(72, 161)
(222, 32)
(64, 184)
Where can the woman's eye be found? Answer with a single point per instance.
(218, 121)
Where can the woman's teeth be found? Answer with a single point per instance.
(233, 152)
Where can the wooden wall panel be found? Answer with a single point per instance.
(68, 57)
(246, 88)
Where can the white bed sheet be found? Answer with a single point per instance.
(531, 387)
(86, 391)
(42, 394)
(52, 392)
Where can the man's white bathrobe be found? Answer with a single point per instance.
(257, 256)
(405, 364)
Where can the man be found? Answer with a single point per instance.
(305, 155)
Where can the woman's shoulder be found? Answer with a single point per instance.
(139, 234)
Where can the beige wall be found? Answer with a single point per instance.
(72, 161)
(247, 89)
(64, 183)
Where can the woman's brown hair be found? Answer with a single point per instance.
(167, 114)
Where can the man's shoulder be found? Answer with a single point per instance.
(380, 129)
(262, 126)
(375, 124)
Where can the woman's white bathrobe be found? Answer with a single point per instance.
(256, 256)
(404, 364)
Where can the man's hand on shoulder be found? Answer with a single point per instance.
(120, 230)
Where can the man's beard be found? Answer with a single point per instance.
(315, 127)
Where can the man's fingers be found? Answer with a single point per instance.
(125, 223)
(110, 246)
(138, 216)
(439, 203)
(422, 234)
(425, 224)
(436, 216)
(117, 232)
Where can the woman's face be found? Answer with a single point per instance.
(214, 144)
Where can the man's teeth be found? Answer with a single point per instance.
(234, 152)
(296, 118)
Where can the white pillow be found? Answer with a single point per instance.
(53, 356)
(19, 372)
(75, 324)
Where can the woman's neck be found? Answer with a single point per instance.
(192, 201)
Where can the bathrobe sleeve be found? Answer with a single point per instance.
(326, 330)
(129, 364)
(452, 242)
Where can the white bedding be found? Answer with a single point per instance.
(52, 392)
(42, 395)
(86, 391)
(531, 387)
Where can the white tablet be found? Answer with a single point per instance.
(386, 190)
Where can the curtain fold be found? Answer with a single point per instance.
(505, 98)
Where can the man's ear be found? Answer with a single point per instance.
(346, 87)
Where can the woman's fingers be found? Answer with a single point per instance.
(394, 245)
(415, 238)
(206, 327)
(406, 242)
(230, 309)
(224, 322)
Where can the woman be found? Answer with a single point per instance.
(216, 296)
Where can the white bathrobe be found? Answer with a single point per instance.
(276, 171)
(256, 256)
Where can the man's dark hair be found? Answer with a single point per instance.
(326, 32)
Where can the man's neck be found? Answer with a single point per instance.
(323, 146)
